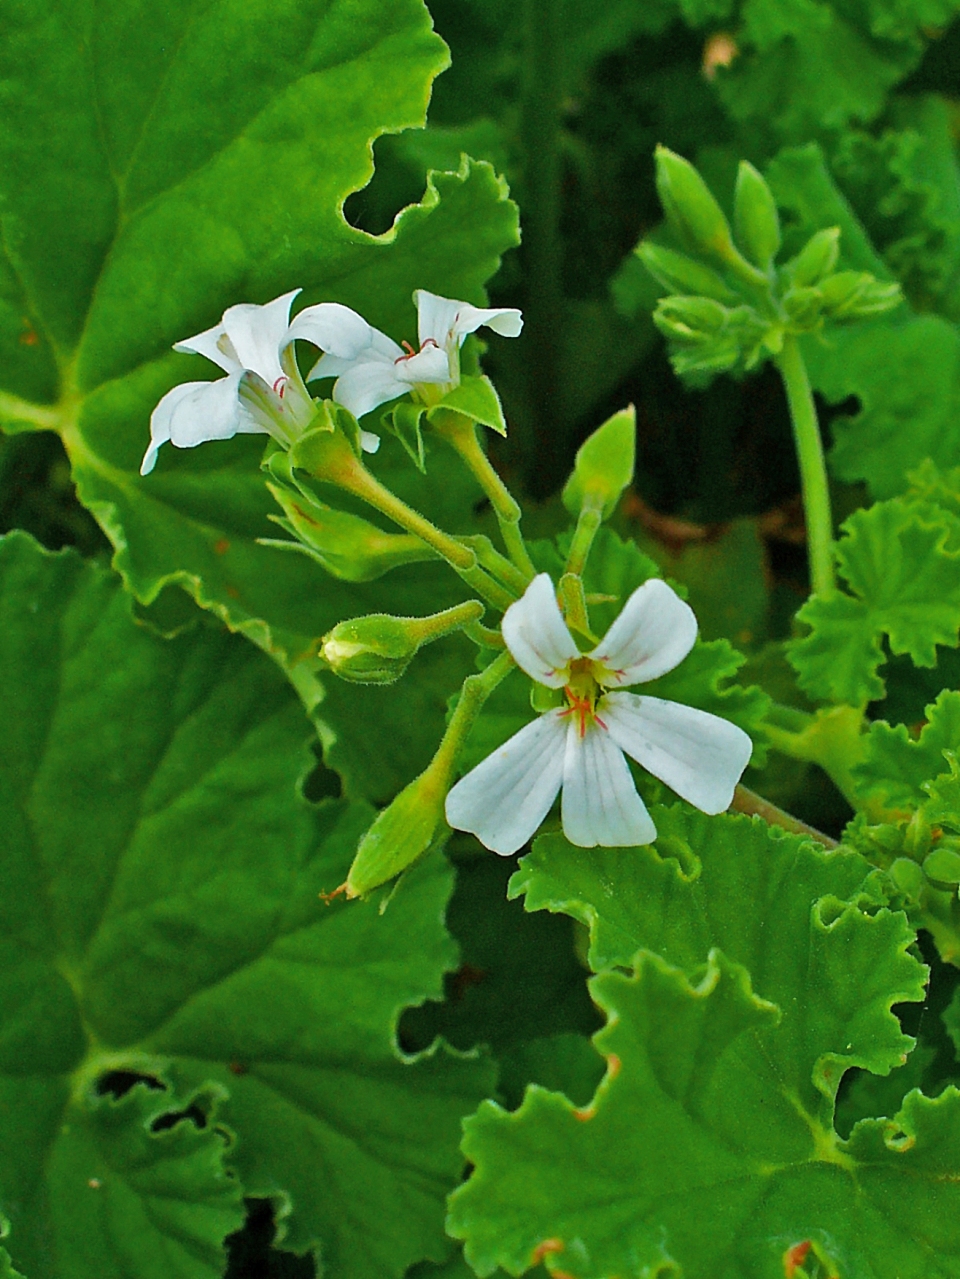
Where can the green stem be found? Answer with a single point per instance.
(588, 523)
(748, 801)
(334, 461)
(484, 636)
(813, 471)
(461, 433)
(475, 691)
(490, 558)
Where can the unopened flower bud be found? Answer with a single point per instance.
(855, 293)
(378, 649)
(690, 205)
(403, 832)
(683, 275)
(803, 306)
(816, 259)
(755, 217)
(604, 464)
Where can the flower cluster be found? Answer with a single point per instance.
(580, 746)
(264, 391)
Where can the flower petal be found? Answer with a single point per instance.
(503, 800)
(367, 383)
(699, 755)
(600, 802)
(653, 634)
(369, 442)
(537, 636)
(432, 364)
(214, 345)
(257, 332)
(195, 412)
(447, 321)
(340, 331)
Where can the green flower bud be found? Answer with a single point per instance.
(683, 275)
(849, 294)
(755, 217)
(403, 832)
(378, 649)
(348, 546)
(816, 259)
(690, 317)
(803, 306)
(604, 464)
(691, 207)
(943, 864)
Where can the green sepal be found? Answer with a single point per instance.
(755, 218)
(476, 398)
(683, 275)
(690, 206)
(604, 464)
(404, 421)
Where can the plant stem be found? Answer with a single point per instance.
(588, 523)
(504, 570)
(334, 461)
(813, 471)
(475, 691)
(747, 801)
(461, 433)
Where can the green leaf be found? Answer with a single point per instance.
(895, 764)
(183, 163)
(905, 580)
(904, 370)
(161, 918)
(730, 1080)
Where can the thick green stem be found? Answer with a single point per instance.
(475, 691)
(748, 801)
(461, 433)
(542, 242)
(813, 470)
(334, 461)
(588, 523)
(504, 570)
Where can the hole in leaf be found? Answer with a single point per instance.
(251, 1254)
(117, 1083)
(192, 1112)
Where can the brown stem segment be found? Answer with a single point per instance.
(754, 805)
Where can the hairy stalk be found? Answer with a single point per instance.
(336, 463)
(461, 433)
(504, 570)
(813, 471)
(474, 692)
(571, 583)
(484, 636)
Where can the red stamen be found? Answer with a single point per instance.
(280, 385)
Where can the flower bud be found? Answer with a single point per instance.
(855, 293)
(690, 317)
(348, 546)
(691, 207)
(604, 464)
(683, 275)
(403, 832)
(378, 649)
(803, 306)
(755, 217)
(816, 259)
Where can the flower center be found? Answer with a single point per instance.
(582, 691)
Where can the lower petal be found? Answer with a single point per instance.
(698, 755)
(367, 384)
(503, 800)
(195, 412)
(600, 802)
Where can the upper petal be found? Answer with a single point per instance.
(600, 803)
(653, 634)
(339, 331)
(537, 636)
(447, 321)
(503, 800)
(699, 755)
(213, 344)
(257, 332)
(367, 383)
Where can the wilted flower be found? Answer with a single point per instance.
(371, 368)
(580, 746)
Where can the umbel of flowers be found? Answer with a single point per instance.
(578, 746)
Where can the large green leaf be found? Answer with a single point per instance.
(895, 765)
(902, 563)
(161, 919)
(720, 1080)
(182, 161)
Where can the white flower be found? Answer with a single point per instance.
(262, 392)
(580, 746)
(371, 369)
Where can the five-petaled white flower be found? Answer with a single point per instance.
(580, 746)
(263, 391)
(371, 369)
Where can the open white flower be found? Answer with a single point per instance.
(371, 368)
(263, 391)
(580, 746)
